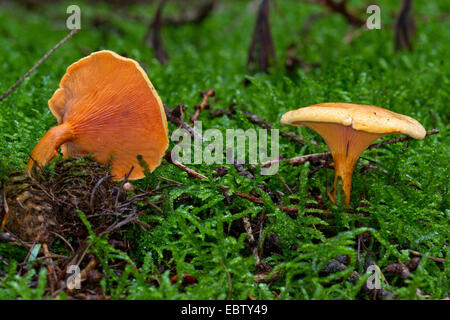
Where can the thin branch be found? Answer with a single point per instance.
(125, 179)
(254, 245)
(27, 74)
(175, 116)
(200, 176)
(401, 139)
(5, 209)
(290, 135)
(50, 268)
(64, 240)
(186, 17)
(178, 164)
(341, 8)
(132, 217)
(323, 155)
(203, 105)
(99, 182)
(416, 253)
(298, 160)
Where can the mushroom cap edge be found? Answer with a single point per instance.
(360, 117)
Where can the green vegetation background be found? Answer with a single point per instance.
(195, 237)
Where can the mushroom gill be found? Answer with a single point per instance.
(106, 106)
(346, 145)
(348, 129)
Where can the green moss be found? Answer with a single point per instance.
(199, 237)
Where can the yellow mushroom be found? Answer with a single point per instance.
(348, 129)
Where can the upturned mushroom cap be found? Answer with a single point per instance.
(361, 117)
(348, 129)
(106, 106)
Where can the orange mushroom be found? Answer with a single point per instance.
(106, 106)
(348, 129)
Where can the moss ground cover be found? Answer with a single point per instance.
(199, 230)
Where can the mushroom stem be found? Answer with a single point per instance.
(346, 145)
(47, 147)
(343, 168)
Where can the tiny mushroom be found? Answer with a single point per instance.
(106, 106)
(348, 129)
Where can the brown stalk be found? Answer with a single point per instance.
(153, 36)
(405, 26)
(261, 53)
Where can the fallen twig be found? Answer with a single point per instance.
(298, 160)
(400, 139)
(292, 136)
(64, 240)
(132, 217)
(416, 253)
(249, 197)
(257, 120)
(323, 155)
(125, 179)
(50, 268)
(98, 184)
(27, 74)
(190, 171)
(254, 245)
(5, 209)
(203, 105)
(175, 116)
(340, 7)
(90, 266)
